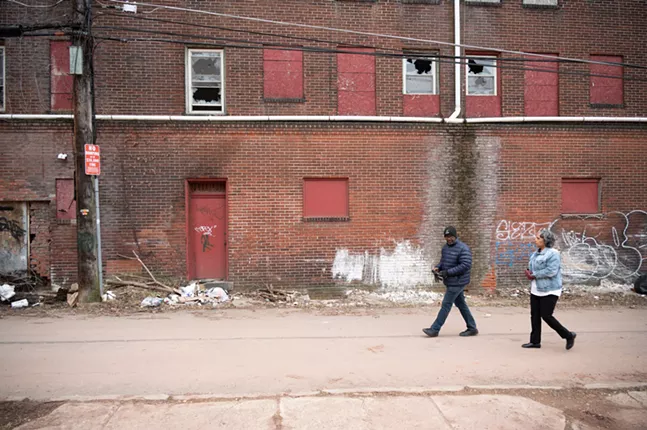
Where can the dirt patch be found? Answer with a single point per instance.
(14, 414)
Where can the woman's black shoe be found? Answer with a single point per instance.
(531, 345)
(571, 341)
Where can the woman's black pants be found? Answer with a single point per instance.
(541, 308)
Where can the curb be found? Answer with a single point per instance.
(332, 392)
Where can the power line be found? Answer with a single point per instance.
(331, 51)
(37, 6)
(365, 33)
(554, 59)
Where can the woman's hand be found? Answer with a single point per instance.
(529, 275)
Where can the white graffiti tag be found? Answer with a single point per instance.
(205, 230)
(510, 230)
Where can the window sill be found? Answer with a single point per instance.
(587, 215)
(281, 100)
(606, 106)
(482, 3)
(326, 219)
(540, 6)
(420, 1)
(65, 221)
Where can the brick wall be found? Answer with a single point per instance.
(39, 238)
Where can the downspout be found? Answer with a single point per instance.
(458, 63)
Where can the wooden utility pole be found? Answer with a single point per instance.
(86, 215)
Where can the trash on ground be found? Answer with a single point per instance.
(218, 294)
(190, 290)
(73, 299)
(108, 296)
(152, 302)
(7, 291)
(20, 303)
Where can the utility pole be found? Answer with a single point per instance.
(89, 265)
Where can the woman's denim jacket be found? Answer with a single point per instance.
(546, 267)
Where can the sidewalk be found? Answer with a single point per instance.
(369, 411)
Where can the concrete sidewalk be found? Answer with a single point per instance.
(441, 412)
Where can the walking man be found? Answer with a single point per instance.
(454, 268)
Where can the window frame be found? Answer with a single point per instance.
(495, 75)
(4, 78)
(434, 76)
(188, 82)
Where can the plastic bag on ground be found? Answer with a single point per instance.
(109, 295)
(7, 291)
(218, 294)
(190, 290)
(152, 302)
(20, 304)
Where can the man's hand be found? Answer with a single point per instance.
(444, 274)
(529, 275)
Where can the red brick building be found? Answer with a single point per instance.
(268, 153)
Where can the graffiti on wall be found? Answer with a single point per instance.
(206, 231)
(594, 247)
(12, 227)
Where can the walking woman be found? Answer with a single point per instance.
(545, 274)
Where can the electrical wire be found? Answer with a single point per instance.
(409, 52)
(365, 33)
(238, 43)
(36, 6)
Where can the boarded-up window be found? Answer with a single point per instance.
(608, 88)
(65, 202)
(62, 82)
(325, 198)
(541, 92)
(356, 82)
(580, 196)
(282, 74)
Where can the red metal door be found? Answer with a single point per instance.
(207, 236)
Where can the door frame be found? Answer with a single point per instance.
(187, 204)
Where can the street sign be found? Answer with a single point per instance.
(92, 160)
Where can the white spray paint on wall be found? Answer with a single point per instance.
(403, 267)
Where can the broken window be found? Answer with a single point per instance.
(205, 81)
(2, 78)
(481, 76)
(420, 76)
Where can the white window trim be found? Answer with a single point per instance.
(187, 84)
(496, 76)
(434, 68)
(4, 79)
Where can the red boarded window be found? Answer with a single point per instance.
(541, 92)
(606, 90)
(65, 202)
(325, 198)
(282, 74)
(356, 82)
(580, 196)
(61, 81)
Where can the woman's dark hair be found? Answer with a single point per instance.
(548, 236)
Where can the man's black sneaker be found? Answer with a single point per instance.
(571, 341)
(531, 345)
(469, 332)
(430, 332)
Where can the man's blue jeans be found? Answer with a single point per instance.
(454, 296)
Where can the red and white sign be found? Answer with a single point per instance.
(92, 160)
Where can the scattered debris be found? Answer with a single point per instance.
(20, 304)
(152, 302)
(109, 295)
(73, 299)
(218, 294)
(7, 291)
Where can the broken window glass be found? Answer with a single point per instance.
(481, 76)
(420, 76)
(206, 80)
